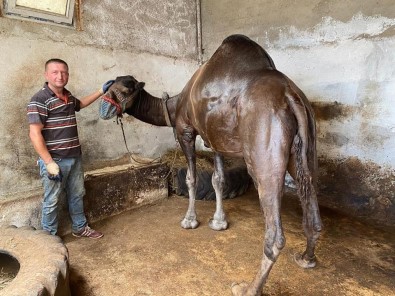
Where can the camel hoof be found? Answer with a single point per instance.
(239, 289)
(304, 262)
(189, 223)
(218, 224)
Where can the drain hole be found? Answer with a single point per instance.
(9, 268)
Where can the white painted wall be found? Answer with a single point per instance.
(352, 64)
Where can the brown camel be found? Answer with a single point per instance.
(241, 106)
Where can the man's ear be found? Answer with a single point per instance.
(140, 85)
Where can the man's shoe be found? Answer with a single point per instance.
(88, 232)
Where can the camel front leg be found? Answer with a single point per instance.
(187, 143)
(218, 222)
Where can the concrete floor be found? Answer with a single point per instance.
(146, 252)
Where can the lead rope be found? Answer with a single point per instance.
(119, 121)
(165, 97)
(131, 158)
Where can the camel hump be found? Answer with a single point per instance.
(236, 38)
(240, 51)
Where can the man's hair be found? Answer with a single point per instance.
(55, 61)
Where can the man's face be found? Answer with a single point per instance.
(57, 75)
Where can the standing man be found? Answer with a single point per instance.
(54, 135)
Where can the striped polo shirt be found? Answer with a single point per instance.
(58, 117)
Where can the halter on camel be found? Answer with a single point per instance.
(110, 107)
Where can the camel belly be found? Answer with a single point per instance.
(220, 132)
(214, 109)
(225, 145)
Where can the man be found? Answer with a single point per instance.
(54, 135)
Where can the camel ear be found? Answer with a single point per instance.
(140, 85)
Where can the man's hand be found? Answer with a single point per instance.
(54, 172)
(106, 86)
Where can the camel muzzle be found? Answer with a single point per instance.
(113, 103)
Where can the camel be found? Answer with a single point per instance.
(241, 106)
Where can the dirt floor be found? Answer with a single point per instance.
(146, 252)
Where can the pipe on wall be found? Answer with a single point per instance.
(199, 32)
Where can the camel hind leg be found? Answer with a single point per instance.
(304, 159)
(311, 216)
(268, 168)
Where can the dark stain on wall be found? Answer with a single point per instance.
(325, 111)
(360, 189)
(334, 138)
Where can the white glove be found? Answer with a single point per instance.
(53, 168)
(53, 171)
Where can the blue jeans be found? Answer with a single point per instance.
(72, 185)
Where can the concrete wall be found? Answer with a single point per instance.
(342, 55)
(153, 41)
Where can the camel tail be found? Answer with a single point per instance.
(304, 144)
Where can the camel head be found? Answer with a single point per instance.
(120, 96)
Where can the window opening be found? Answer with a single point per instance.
(60, 12)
